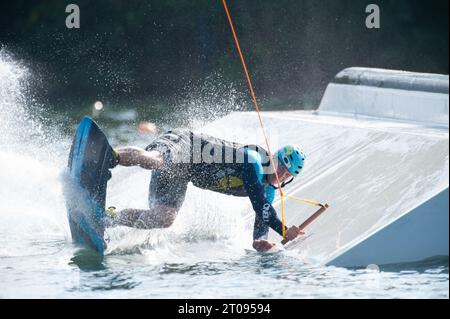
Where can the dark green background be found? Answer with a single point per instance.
(135, 51)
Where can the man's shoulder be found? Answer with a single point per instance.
(252, 162)
(252, 159)
(252, 156)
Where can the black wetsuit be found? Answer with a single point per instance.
(216, 165)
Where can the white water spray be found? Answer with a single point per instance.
(30, 188)
(208, 227)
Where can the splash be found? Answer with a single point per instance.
(30, 188)
(33, 161)
(209, 226)
(198, 104)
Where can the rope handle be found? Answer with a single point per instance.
(311, 219)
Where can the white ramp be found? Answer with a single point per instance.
(381, 165)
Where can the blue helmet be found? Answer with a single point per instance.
(292, 158)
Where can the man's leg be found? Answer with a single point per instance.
(166, 196)
(159, 216)
(135, 156)
(167, 187)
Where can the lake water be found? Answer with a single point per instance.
(205, 254)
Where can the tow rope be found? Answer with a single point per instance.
(255, 103)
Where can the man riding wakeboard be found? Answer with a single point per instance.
(182, 156)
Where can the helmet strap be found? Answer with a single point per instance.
(284, 183)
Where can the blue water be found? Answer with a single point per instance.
(205, 254)
(57, 270)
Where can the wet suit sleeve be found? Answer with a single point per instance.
(266, 216)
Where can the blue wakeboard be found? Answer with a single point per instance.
(90, 160)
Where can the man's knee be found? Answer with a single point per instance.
(168, 215)
(158, 217)
(168, 220)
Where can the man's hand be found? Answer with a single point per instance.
(262, 245)
(292, 233)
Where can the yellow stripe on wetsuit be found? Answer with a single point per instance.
(225, 183)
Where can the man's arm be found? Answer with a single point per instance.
(266, 215)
